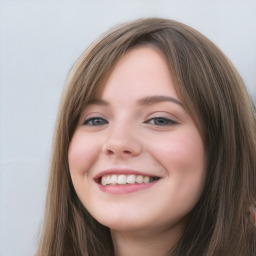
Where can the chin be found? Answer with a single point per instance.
(124, 223)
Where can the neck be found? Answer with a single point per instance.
(142, 243)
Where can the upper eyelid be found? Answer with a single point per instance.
(87, 120)
(156, 114)
(162, 114)
(85, 116)
(171, 120)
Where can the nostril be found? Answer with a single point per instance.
(109, 152)
(127, 152)
(123, 146)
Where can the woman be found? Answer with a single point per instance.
(154, 150)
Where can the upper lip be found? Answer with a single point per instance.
(125, 171)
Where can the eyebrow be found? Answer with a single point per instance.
(149, 100)
(98, 102)
(158, 98)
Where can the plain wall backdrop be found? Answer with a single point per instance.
(40, 41)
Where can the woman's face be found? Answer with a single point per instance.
(136, 158)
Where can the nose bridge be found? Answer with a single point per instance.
(122, 139)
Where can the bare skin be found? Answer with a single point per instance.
(158, 243)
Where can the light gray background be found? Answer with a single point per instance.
(40, 40)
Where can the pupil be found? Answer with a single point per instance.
(98, 121)
(161, 121)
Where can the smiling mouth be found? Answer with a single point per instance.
(123, 179)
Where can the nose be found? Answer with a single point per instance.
(122, 142)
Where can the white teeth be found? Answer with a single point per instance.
(104, 181)
(123, 179)
(139, 179)
(108, 179)
(146, 179)
(131, 179)
(113, 179)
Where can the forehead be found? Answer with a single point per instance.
(142, 70)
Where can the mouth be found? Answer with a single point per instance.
(125, 179)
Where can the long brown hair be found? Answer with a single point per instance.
(215, 97)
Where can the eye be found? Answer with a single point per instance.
(95, 121)
(161, 121)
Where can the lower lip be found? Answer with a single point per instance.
(125, 189)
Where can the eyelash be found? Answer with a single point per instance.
(98, 121)
(164, 121)
(91, 121)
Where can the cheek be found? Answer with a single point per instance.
(183, 151)
(182, 156)
(81, 155)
